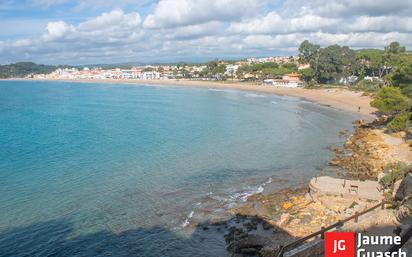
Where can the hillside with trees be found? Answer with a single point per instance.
(386, 73)
(23, 69)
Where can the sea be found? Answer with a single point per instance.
(100, 169)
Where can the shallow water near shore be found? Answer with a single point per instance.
(98, 169)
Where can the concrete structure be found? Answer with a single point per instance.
(289, 80)
(368, 190)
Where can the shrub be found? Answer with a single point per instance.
(399, 170)
(390, 100)
(368, 86)
(400, 122)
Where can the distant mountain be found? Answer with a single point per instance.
(22, 69)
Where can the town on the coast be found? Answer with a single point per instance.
(212, 71)
(313, 65)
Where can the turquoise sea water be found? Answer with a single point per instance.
(120, 170)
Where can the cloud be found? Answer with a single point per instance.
(381, 24)
(115, 18)
(275, 23)
(179, 30)
(172, 13)
(57, 30)
(347, 8)
(99, 36)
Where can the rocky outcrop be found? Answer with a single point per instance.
(363, 156)
(253, 236)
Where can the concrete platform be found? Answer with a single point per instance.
(366, 190)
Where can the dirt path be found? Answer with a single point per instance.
(398, 148)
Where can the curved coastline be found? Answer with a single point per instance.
(339, 98)
(343, 100)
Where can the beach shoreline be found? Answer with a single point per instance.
(339, 98)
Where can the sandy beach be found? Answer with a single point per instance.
(339, 98)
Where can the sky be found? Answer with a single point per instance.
(148, 31)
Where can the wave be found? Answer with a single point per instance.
(187, 220)
(244, 195)
(254, 95)
(223, 202)
(221, 90)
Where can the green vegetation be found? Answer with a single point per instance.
(390, 100)
(265, 70)
(387, 72)
(400, 122)
(329, 64)
(341, 65)
(23, 69)
(368, 86)
(398, 172)
(214, 70)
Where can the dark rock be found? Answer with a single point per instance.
(405, 188)
(270, 251)
(250, 226)
(251, 241)
(249, 251)
(266, 225)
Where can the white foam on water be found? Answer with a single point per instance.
(254, 95)
(221, 90)
(244, 195)
(187, 220)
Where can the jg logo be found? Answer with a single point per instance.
(339, 244)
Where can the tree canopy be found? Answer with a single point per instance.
(390, 100)
(22, 69)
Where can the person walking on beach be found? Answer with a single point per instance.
(358, 108)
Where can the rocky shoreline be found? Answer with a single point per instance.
(268, 221)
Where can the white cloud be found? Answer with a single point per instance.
(115, 18)
(381, 24)
(57, 30)
(171, 13)
(347, 8)
(275, 23)
(177, 30)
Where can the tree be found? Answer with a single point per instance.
(371, 62)
(390, 100)
(22, 69)
(400, 122)
(308, 52)
(333, 63)
(395, 48)
(308, 74)
(214, 69)
(402, 74)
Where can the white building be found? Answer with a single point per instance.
(291, 80)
